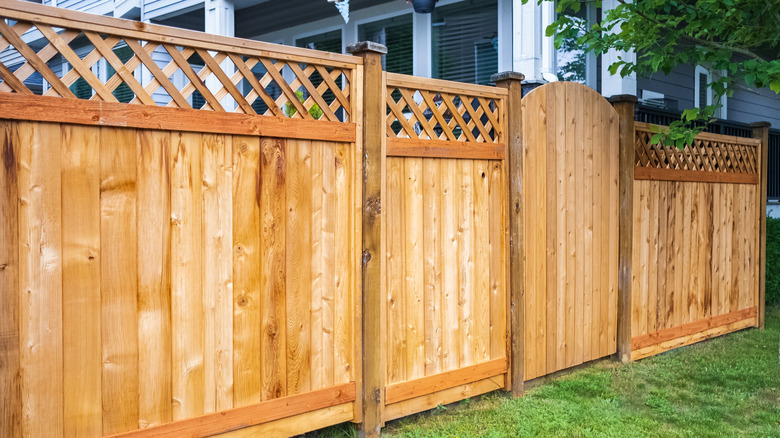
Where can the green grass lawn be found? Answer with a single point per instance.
(722, 387)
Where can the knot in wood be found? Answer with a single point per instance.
(373, 206)
(366, 256)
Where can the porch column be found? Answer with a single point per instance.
(614, 85)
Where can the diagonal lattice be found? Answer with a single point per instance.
(708, 153)
(116, 65)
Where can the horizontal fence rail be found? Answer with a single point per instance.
(711, 158)
(111, 60)
(430, 117)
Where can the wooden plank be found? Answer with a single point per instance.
(396, 297)
(450, 268)
(438, 85)
(599, 238)
(328, 243)
(579, 227)
(264, 412)
(82, 348)
(85, 112)
(697, 335)
(559, 142)
(571, 224)
(692, 328)
(344, 262)
(371, 149)
(626, 161)
(217, 194)
(432, 248)
(672, 267)
(298, 424)
(498, 262)
(662, 273)
(705, 251)
(447, 396)
(10, 377)
(247, 262)
(653, 174)
(589, 125)
(40, 278)
(545, 142)
(641, 308)
(438, 382)
(298, 263)
(611, 120)
(651, 306)
(119, 279)
(187, 314)
(316, 286)
(154, 280)
(465, 196)
(424, 148)
(761, 132)
(481, 260)
(693, 262)
(272, 261)
(414, 263)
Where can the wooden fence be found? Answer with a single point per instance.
(182, 270)
(570, 181)
(445, 239)
(247, 239)
(696, 240)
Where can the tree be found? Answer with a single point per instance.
(741, 37)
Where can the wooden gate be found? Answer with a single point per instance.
(570, 186)
(445, 243)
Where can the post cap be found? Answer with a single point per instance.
(760, 125)
(618, 98)
(507, 76)
(366, 47)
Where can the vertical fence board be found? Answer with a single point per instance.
(40, 278)
(465, 195)
(119, 279)
(413, 267)
(272, 251)
(450, 268)
(498, 307)
(10, 377)
(81, 301)
(247, 274)
(217, 243)
(579, 225)
(396, 307)
(187, 315)
(298, 264)
(154, 281)
(432, 248)
(317, 286)
(344, 260)
(481, 260)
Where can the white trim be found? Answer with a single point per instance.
(722, 112)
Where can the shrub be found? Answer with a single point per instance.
(772, 260)
(290, 110)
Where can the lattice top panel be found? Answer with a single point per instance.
(61, 53)
(429, 109)
(709, 153)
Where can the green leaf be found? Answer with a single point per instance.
(690, 114)
(775, 86)
(656, 138)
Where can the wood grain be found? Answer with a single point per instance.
(81, 297)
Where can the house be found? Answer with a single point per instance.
(462, 40)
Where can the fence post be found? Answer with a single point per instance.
(761, 131)
(624, 105)
(514, 167)
(373, 175)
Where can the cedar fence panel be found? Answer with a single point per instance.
(695, 241)
(445, 243)
(570, 172)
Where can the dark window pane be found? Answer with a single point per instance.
(328, 41)
(396, 34)
(465, 41)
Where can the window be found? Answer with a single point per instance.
(571, 62)
(328, 41)
(465, 41)
(123, 93)
(396, 34)
(703, 94)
